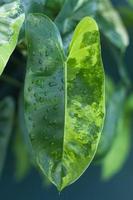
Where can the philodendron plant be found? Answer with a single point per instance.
(64, 86)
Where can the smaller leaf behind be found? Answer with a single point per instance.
(72, 12)
(130, 2)
(6, 125)
(107, 17)
(111, 25)
(11, 20)
(119, 151)
(33, 6)
(22, 159)
(114, 103)
(127, 15)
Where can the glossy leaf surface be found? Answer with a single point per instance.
(64, 98)
(6, 124)
(11, 20)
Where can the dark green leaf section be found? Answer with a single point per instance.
(11, 20)
(103, 11)
(53, 7)
(127, 15)
(6, 124)
(45, 94)
(114, 105)
(119, 151)
(64, 98)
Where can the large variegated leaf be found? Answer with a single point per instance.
(6, 124)
(64, 98)
(11, 19)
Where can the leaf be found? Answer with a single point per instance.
(64, 98)
(22, 159)
(11, 20)
(72, 12)
(22, 126)
(109, 88)
(31, 6)
(105, 14)
(130, 2)
(117, 156)
(6, 124)
(111, 25)
(49, 7)
(54, 4)
(114, 104)
(127, 15)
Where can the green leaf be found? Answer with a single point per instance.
(105, 14)
(114, 103)
(127, 15)
(11, 20)
(111, 25)
(6, 124)
(130, 2)
(49, 7)
(64, 98)
(22, 159)
(54, 5)
(31, 6)
(118, 154)
(109, 88)
(22, 126)
(72, 12)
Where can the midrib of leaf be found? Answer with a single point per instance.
(64, 60)
(65, 111)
